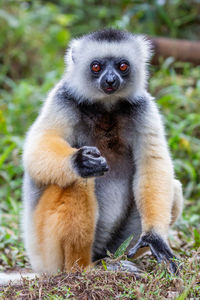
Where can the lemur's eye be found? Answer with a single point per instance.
(96, 67)
(123, 67)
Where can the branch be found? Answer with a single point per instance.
(181, 50)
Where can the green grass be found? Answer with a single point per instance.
(154, 284)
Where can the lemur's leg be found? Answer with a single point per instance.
(64, 222)
(64, 217)
(156, 211)
(78, 257)
(176, 212)
(155, 237)
(154, 187)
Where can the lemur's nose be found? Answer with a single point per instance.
(110, 79)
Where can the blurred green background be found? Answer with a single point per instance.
(33, 38)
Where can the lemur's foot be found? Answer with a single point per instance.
(159, 249)
(123, 266)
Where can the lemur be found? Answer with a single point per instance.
(97, 165)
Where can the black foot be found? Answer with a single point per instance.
(159, 249)
(88, 162)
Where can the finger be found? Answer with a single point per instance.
(94, 162)
(98, 174)
(166, 256)
(96, 168)
(93, 151)
(138, 245)
(92, 158)
(156, 254)
(173, 268)
(173, 263)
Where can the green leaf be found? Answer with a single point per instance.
(122, 248)
(104, 264)
(6, 153)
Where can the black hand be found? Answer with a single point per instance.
(88, 162)
(159, 249)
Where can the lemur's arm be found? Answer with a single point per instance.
(48, 158)
(153, 184)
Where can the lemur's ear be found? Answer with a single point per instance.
(146, 47)
(72, 51)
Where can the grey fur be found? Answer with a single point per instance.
(31, 190)
(118, 215)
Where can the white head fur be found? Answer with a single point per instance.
(82, 51)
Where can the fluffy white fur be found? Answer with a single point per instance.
(137, 50)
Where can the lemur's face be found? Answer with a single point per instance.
(106, 68)
(109, 74)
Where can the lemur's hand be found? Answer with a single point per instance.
(159, 249)
(88, 162)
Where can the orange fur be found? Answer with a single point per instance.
(65, 224)
(49, 160)
(156, 194)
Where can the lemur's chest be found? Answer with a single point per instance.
(107, 133)
(112, 133)
(108, 130)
